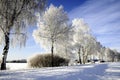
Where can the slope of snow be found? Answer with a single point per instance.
(106, 71)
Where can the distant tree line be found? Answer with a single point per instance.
(17, 61)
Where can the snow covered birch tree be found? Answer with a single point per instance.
(15, 16)
(52, 28)
(84, 42)
(64, 48)
(80, 29)
(110, 55)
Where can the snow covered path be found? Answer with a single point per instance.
(106, 71)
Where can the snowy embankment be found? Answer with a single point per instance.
(106, 71)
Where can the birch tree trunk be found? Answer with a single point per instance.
(5, 52)
(52, 56)
(79, 56)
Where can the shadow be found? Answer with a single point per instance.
(93, 73)
(88, 73)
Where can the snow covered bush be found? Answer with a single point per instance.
(44, 60)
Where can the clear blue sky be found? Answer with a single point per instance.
(103, 17)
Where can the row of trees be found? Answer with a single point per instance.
(110, 55)
(70, 40)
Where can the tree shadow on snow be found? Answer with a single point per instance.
(93, 73)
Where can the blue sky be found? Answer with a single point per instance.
(103, 17)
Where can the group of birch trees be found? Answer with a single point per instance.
(54, 32)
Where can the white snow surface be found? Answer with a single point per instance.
(16, 66)
(103, 71)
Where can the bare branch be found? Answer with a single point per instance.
(18, 33)
(2, 15)
(2, 29)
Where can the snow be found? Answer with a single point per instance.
(103, 71)
(16, 66)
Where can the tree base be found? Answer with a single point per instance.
(3, 66)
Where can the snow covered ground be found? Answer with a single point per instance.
(16, 66)
(105, 71)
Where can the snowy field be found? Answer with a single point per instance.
(105, 71)
(16, 66)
